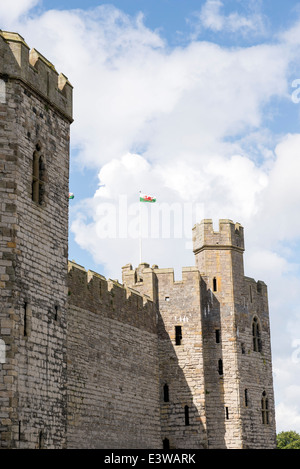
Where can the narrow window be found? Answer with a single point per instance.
(166, 393)
(243, 349)
(41, 440)
(178, 335)
(256, 336)
(265, 409)
(186, 415)
(220, 367)
(227, 413)
(25, 319)
(214, 284)
(56, 309)
(19, 430)
(38, 176)
(250, 291)
(246, 397)
(217, 336)
(166, 443)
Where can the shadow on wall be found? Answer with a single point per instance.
(191, 379)
(132, 383)
(216, 411)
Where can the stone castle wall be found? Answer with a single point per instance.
(34, 250)
(113, 382)
(183, 415)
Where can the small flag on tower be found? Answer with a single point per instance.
(147, 198)
(71, 196)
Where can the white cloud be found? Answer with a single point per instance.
(211, 17)
(11, 11)
(136, 94)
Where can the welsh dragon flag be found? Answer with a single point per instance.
(147, 198)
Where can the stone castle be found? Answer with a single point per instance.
(87, 362)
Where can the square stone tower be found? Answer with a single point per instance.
(236, 342)
(215, 365)
(36, 112)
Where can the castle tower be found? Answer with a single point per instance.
(36, 112)
(180, 351)
(236, 342)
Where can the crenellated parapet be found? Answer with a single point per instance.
(108, 298)
(18, 62)
(160, 283)
(230, 235)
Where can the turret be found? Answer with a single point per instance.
(34, 70)
(36, 109)
(219, 254)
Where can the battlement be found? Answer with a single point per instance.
(230, 235)
(152, 281)
(18, 62)
(93, 292)
(138, 275)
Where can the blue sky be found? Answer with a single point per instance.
(193, 102)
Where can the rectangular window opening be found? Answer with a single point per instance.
(246, 397)
(178, 335)
(186, 415)
(25, 319)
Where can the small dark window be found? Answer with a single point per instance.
(246, 397)
(166, 393)
(243, 349)
(218, 336)
(256, 335)
(178, 335)
(220, 367)
(166, 443)
(265, 409)
(25, 319)
(38, 176)
(250, 291)
(56, 310)
(41, 440)
(19, 430)
(227, 413)
(214, 284)
(186, 415)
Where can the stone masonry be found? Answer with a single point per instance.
(87, 362)
(35, 112)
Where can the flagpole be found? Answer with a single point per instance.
(140, 230)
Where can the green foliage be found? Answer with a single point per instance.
(288, 440)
